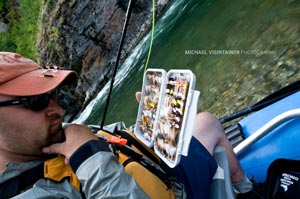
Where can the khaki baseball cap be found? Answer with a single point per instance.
(20, 76)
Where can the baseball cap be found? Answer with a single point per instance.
(20, 76)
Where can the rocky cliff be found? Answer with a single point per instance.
(84, 35)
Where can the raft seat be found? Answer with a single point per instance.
(221, 187)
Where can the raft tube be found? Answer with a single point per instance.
(281, 142)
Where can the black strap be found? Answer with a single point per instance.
(15, 185)
(152, 167)
(131, 141)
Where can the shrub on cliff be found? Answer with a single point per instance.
(21, 18)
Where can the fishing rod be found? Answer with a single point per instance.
(119, 53)
(117, 62)
(270, 99)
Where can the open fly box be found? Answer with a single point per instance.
(166, 114)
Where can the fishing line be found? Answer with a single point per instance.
(152, 36)
(116, 63)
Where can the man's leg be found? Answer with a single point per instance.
(210, 133)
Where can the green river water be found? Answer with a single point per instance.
(240, 51)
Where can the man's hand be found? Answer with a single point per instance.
(76, 136)
(138, 96)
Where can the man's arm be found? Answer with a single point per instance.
(97, 168)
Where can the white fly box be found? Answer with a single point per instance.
(167, 110)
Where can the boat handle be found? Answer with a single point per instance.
(264, 130)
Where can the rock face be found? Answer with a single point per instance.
(84, 35)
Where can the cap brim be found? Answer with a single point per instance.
(37, 82)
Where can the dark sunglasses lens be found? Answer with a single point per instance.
(39, 102)
(55, 95)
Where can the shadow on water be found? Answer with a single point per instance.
(240, 51)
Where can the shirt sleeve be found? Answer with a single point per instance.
(101, 175)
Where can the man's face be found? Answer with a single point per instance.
(26, 132)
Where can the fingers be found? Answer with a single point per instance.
(138, 96)
(67, 162)
(56, 149)
(52, 149)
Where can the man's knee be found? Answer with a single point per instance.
(208, 130)
(207, 120)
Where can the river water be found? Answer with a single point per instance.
(240, 51)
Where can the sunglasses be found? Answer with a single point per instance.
(34, 103)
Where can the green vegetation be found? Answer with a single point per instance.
(22, 26)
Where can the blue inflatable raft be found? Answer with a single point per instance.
(271, 133)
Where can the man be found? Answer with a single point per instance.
(31, 130)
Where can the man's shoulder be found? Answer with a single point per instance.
(14, 169)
